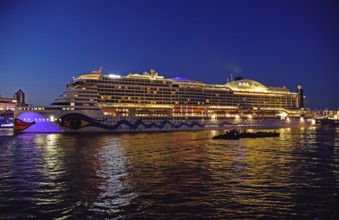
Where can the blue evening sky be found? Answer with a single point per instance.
(43, 44)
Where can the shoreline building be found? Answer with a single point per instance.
(7, 107)
(18, 100)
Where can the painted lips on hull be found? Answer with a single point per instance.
(20, 125)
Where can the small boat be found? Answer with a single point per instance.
(237, 134)
(8, 125)
(6, 121)
(327, 121)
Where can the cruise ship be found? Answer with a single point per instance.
(98, 102)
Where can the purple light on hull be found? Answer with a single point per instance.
(42, 124)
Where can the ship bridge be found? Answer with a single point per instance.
(95, 75)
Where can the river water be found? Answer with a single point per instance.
(170, 175)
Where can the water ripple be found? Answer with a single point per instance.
(170, 175)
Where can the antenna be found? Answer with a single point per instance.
(231, 77)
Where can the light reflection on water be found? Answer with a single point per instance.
(170, 175)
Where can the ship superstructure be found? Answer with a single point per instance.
(148, 101)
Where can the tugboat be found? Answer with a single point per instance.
(235, 134)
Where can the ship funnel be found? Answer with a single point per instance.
(99, 71)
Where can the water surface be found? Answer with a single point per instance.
(170, 175)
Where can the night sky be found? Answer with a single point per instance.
(43, 44)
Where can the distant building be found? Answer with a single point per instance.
(7, 104)
(302, 103)
(18, 100)
(19, 96)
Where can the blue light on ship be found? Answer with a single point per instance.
(42, 124)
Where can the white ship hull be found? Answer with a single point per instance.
(56, 121)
